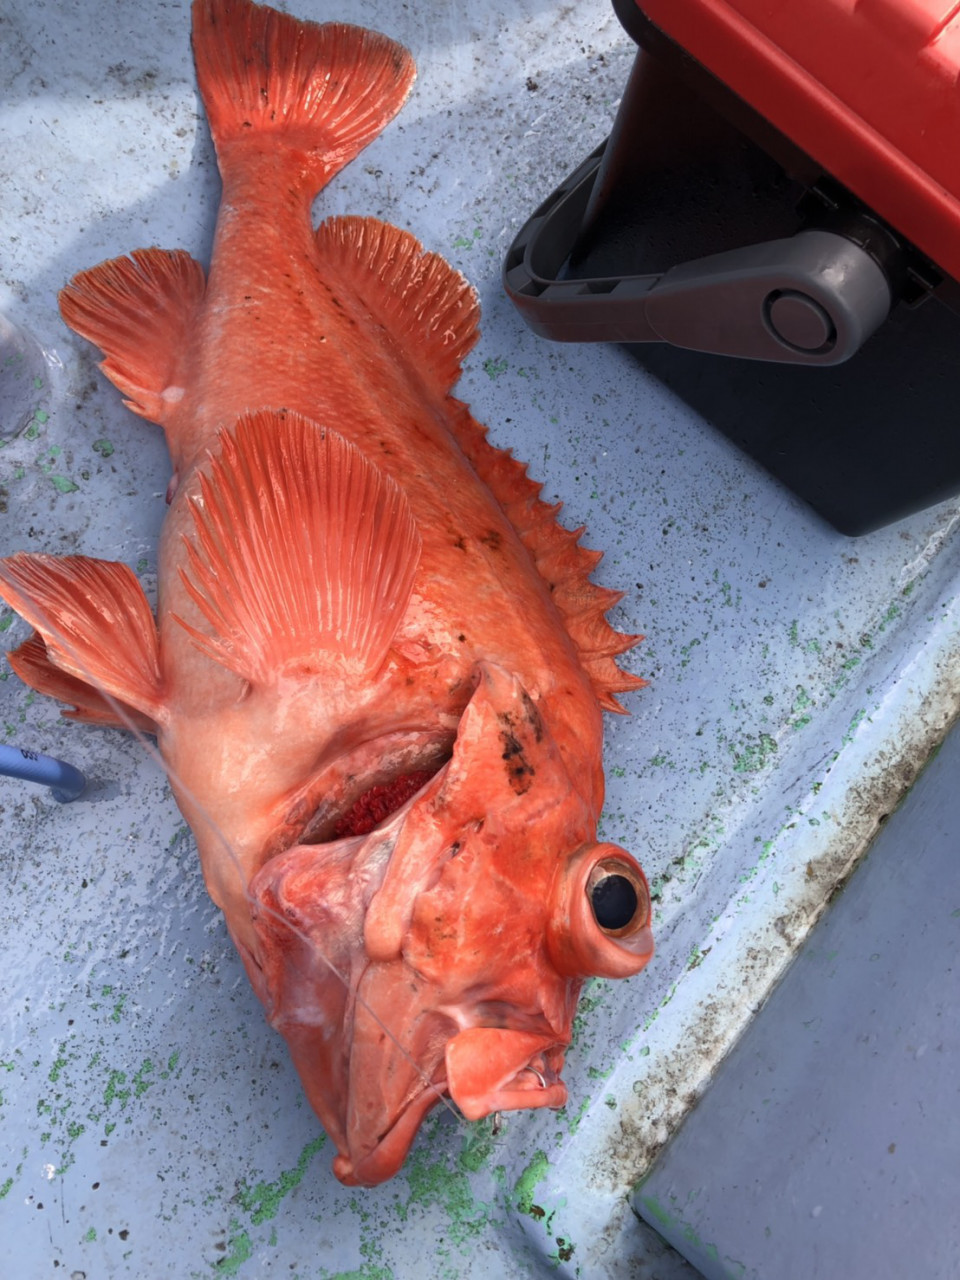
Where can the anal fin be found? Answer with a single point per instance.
(95, 621)
(139, 311)
(303, 552)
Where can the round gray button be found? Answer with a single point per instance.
(799, 321)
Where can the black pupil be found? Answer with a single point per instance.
(614, 902)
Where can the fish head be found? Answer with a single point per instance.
(442, 954)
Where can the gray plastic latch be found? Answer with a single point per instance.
(814, 299)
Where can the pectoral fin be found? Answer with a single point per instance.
(95, 621)
(303, 553)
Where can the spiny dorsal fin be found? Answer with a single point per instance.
(328, 90)
(561, 561)
(428, 307)
(95, 621)
(139, 312)
(303, 553)
(32, 664)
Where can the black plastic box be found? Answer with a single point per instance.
(689, 172)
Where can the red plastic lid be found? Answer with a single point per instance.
(868, 88)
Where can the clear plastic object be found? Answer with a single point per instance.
(23, 376)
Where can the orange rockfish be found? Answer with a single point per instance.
(378, 668)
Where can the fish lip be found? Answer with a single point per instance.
(385, 1159)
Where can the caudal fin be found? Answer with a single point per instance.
(328, 90)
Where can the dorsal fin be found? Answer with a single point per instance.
(561, 561)
(428, 307)
(303, 554)
(325, 90)
(32, 664)
(95, 621)
(139, 312)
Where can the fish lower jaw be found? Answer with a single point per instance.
(529, 1089)
(384, 1160)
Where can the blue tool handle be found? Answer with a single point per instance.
(65, 782)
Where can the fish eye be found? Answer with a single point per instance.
(599, 924)
(618, 899)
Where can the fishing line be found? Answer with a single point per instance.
(154, 753)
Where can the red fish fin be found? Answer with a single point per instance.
(421, 300)
(329, 90)
(95, 622)
(138, 311)
(561, 561)
(303, 552)
(32, 664)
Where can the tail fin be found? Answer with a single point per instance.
(329, 90)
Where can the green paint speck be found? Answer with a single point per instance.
(434, 1183)
(656, 1210)
(115, 1090)
(493, 368)
(534, 1173)
(755, 757)
(368, 1271)
(140, 1084)
(240, 1250)
(63, 484)
(477, 1147)
(854, 726)
(263, 1200)
(103, 447)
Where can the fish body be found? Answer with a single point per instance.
(378, 666)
